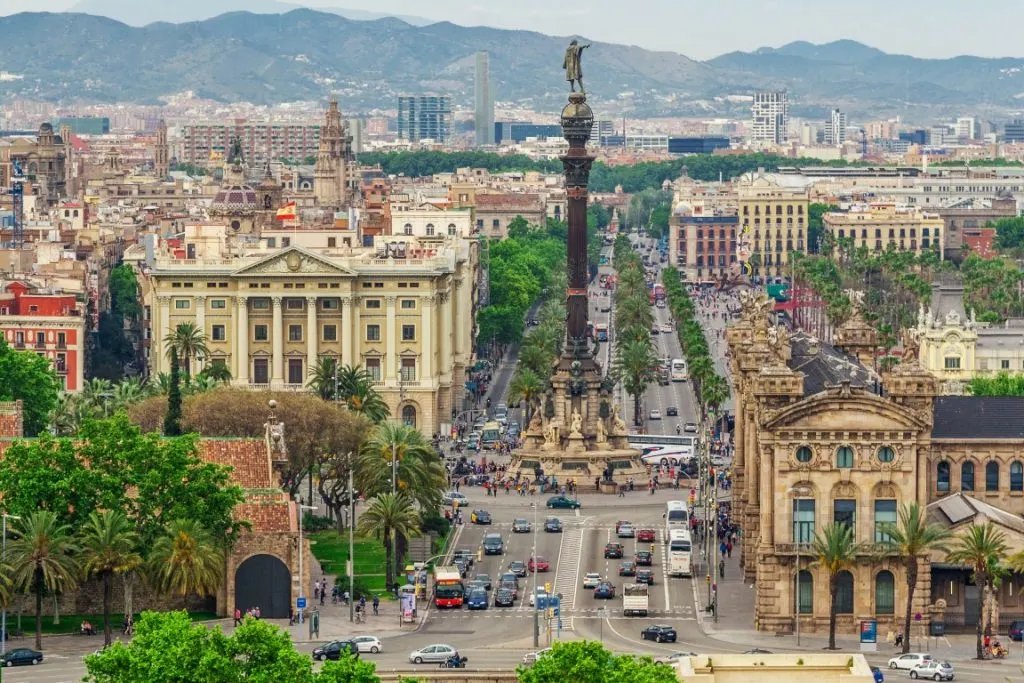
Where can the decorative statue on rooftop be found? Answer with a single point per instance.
(573, 65)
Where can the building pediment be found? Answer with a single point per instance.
(294, 261)
(858, 410)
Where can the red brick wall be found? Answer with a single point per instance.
(11, 426)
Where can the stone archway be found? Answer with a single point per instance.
(264, 581)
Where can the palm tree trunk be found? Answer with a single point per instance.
(911, 586)
(832, 584)
(39, 612)
(981, 579)
(106, 609)
(388, 567)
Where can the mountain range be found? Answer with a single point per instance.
(305, 54)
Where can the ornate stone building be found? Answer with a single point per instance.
(821, 438)
(44, 161)
(331, 172)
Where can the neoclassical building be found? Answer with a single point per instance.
(820, 438)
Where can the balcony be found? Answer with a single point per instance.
(19, 343)
(62, 344)
(61, 368)
(41, 345)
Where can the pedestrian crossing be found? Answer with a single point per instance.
(568, 566)
(682, 613)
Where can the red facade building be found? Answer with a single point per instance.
(49, 324)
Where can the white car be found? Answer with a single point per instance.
(909, 660)
(655, 415)
(591, 579)
(432, 654)
(532, 657)
(368, 644)
(933, 669)
(452, 496)
(667, 328)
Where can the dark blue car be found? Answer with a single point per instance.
(477, 599)
(877, 673)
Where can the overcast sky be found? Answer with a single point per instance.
(706, 28)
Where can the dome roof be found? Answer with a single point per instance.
(234, 199)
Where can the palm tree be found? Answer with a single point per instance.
(64, 416)
(41, 559)
(355, 388)
(389, 515)
(322, 377)
(419, 471)
(912, 540)
(525, 386)
(96, 395)
(633, 363)
(185, 561)
(108, 548)
(190, 342)
(128, 391)
(981, 548)
(835, 550)
(217, 371)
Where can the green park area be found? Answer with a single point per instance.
(331, 549)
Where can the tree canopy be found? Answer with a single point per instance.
(586, 660)
(31, 378)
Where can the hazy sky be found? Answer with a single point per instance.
(706, 28)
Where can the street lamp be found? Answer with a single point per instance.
(794, 491)
(302, 588)
(536, 599)
(3, 615)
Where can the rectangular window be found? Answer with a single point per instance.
(373, 367)
(260, 304)
(408, 304)
(885, 514)
(218, 304)
(295, 333)
(952, 362)
(332, 242)
(373, 303)
(408, 333)
(217, 333)
(803, 520)
(329, 304)
(373, 333)
(294, 304)
(182, 304)
(408, 370)
(295, 375)
(330, 333)
(260, 371)
(844, 511)
(259, 333)
(271, 243)
(1004, 364)
(286, 241)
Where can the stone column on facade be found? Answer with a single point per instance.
(357, 332)
(312, 334)
(163, 328)
(391, 360)
(277, 344)
(347, 331)
(200, 304)
(753, 477)
(427, 339)
(446, 362)
(242, 339)
(767, 501)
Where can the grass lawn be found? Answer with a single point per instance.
(71, 623)
(331, 549)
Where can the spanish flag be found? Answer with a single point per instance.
(286, 212)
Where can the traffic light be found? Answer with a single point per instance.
(551, 612)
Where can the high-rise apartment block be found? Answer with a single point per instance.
(425, 117)
(1013, 131)
(484, 100)
(835, 128)
(968, 128)
(770, 117)
(260, 140)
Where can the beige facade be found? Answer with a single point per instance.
(877, 226)
(773, 222)
(769, 668)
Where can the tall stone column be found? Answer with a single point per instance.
(312, 334)
(445, 361)
(347, 331)
(427, 339)
(277, 344)
(242, 339)
(358, 334)
(161, 329)
(391, 360)
(200, 304)
(577, 121)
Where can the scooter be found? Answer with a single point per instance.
(454, 663)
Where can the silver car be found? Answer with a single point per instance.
(432, 654)
(933, 669)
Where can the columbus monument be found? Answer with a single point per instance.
(576, 431)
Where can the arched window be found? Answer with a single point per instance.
(991, 476)
(844, 592)
(886, 454)
(967, 476)
(408, 228)
(942, 477)
(885, 593)
(1016, 476)
(430, 229)
(451, 230)
(805, 592)
(844, 457)
(409, 416)
(804, 454)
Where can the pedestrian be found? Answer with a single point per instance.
(323, 593)
(238, 617)
(376, 604)
(257, 615)
(721, 569)
(728, 549)
(316, 589)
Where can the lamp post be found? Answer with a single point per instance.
(536, 600)
(3, 614)
(797, 491)
(351, 543)
(302, 588)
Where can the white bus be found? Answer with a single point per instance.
(663, 449)
(677, 517)
(680, 553)
(678, 370)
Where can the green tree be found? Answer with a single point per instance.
(634, 363)
(982, 548)
(587, 660)
(835, 551)
(816, 224)
(1003, 384)
(525, 386)
(1010, 233)
(356, 389)
(387, 516)
(189, 342)
(30, 378)
(420, 472)
(41, 558)
(109, 547)
(172, 419)
(186, 561)
(322, 377)
(216, 372)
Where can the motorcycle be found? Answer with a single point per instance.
(455, 663)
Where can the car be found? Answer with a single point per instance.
(477, 599)
(909, 660)
(645, 535)
(659, 633)
(480, 517)
(613, 551)
(690, 427)
(538, 565)
(877, 673)
(675, 657)
(672, 411)
(370, 644)
(591, 579)
(758, 651)
(434, 654)
(643, 558)
(606, 308)
(645, 576)
(474, 585)
(521, 526)
(493, 545)
(453, 497)
(654, 414)
(541, 596)
(625, 531)
(21, 655)
(463, 555)
(553, 525)
(627, 568)
(533, 322)
(655, 329)
(513, 429)
(1016, 630)
(619, 524)
(463, 567)
(532, 657)
(604, 591)
(511, 587)
(485, 579)
(933, 669)
(562, 502)
(504, 597)
(667, 328)
(333, 649)
(518, 568)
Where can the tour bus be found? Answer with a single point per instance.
(663, 449)
(448, 588)
(491, 435)
(601, 332)
(679, 373)
(677, 516)
(680, 553)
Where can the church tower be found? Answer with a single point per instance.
(161, 163)
(330, 174)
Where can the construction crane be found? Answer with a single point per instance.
(16, 191)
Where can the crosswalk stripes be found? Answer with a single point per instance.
(569, 564)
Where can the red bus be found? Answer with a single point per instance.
(448, 588)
